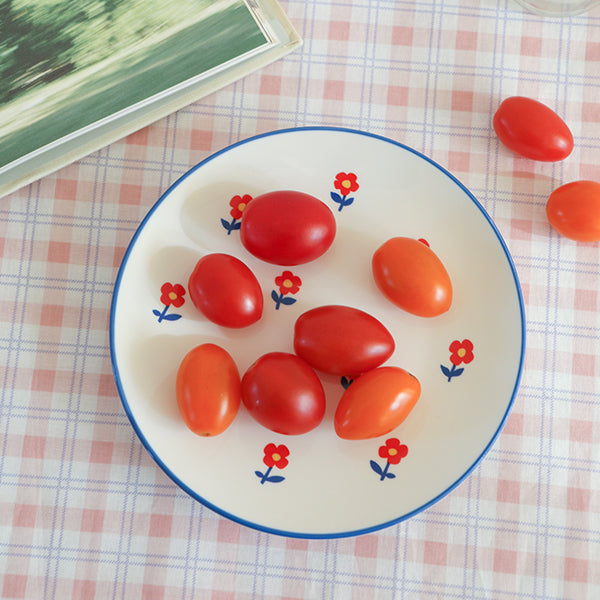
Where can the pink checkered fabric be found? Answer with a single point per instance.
(86, 513)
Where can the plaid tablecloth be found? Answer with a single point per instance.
(84, 510)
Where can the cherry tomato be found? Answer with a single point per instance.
(287, 227)
(532, 129)
(226, 291)
(376, 403)
(410, 275)
(208, 389)
(342, 340)
(573, 210)
(283, 393)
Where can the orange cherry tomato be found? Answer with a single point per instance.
(208, 390)
(410, 275)
(532, 129)
(376, 403)
(573, 210)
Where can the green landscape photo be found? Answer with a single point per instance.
(67, 64)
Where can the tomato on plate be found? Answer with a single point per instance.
(287, 227)
(342, 340)
(573, 210)
(208, 389)
(376, 403)
(226, 291)
(283, 393)
(410, 274)
(532, 129)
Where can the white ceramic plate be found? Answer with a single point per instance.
(329, 487)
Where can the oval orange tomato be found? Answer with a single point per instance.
(532, 129)
(573, 210)
(410, 275)
(376, 403)
(208, 390)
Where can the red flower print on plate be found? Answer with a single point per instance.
(346, 184)
(171, 295)
(238, 205)
(460, 352)
(393, 452)
(288, 283)
(275, 457)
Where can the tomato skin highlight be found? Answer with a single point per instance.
(411, 275)
(226, 291)
(342, 340)
(573, 210)
(532, 129)
(287, 227)
(376, 403)
(284, 394)
(208, 390)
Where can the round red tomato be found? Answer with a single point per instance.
(287, 227)
(208, 390)
(376, 403)
(226, 291)
(410, 275)
(573, 210)
(532, 129)
(342, 340)
(283, 393)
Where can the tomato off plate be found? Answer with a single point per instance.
(468, 360)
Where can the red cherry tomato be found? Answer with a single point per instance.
(283, 393)
(376, 403)
(287, 227)
(573, 210)
(410, 275)
(208, 390)
(532, 130)
(226, 291)
(342, 340)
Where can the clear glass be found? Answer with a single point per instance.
(558, 8)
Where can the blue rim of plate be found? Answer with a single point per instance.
(257, 526)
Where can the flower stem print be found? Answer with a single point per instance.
(171, 295)
(275, 456)
(460, 352)
(346, 184)
(288, 283)
(346, 382)
(393, 451)
(238, 205)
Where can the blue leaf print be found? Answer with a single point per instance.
(275, 478)
(172, 317)
(376, 468)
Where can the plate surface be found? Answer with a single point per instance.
(325, 486)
